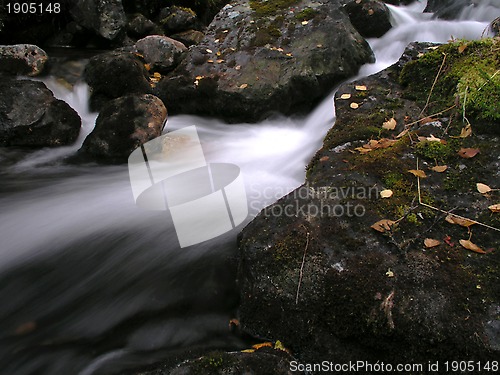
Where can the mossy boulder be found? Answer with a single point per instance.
(335, 271)
(261, 57)
(371, 18)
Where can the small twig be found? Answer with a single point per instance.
(434, 84)
(463, 107)
(447, 212)
(434, 114)
(301, 273)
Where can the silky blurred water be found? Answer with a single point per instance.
(91, 284)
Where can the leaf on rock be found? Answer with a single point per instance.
(383, 225)
(208, 50)
(324, 158)
(279, 346)
(389, 273)
(390, 124)
(430, 242)
(495, 208)
(459, 221)
(439, 168)
(483, 188)
(467, 131)
(418, 173)
(468, 153)
(387, 193)
(360, 88)
(354, 105)
(243, 86)
(305, 22)
(345, 96)
(248, 351)
(471, 246)
(263, 345)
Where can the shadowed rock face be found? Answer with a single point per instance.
(123, 125)
(31, 116)
(316, 275)
(104, 17)
(22, 59)
(371, 18)
(260, 57)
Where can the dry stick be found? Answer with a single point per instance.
(463, 107)
(434, 84)
(434, 114)
(302, 270)
(447, 212)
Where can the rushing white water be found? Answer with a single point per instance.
(78, 258)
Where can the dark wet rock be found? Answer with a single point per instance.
(106, 18)
(161, 52)
(495, 26)
(114, 74)
(22, 59)
(31, 116)
(189, 37)
(261, 362)
(315, 274)
(398, 2)
(447, 9)
(175, 19)
(123, 125)
(255, 61)
(371, 18)
(140, 26)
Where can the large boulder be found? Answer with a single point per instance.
(123, 125)
(114, 74)
(371, 18)
(257, 58)
(336, 271)
(31, 116)
(175, 19)
(447, 9)
(161, 52)
(105, 18)
(22, 59)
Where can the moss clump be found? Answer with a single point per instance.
(270, 7)
(470, 72)
(306, 14)
(266, 35)
(432, 150)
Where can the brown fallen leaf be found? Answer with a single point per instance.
(25, 328)
(439, 168)
(471, 246)
(345, 96)
(483, 188)
(243, 86)
(383, 225)
(495, 208)
(263, 345)
(430, 242)
(418, 173)
(462, 48)
(354, 105)
(324, 158)
(467, 131)
(459, 221)
(390, 124)
(248, 351)
(363, 150)
(468, 153)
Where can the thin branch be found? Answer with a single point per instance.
(434, 84)
(302, 269)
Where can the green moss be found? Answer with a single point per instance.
(266, 35)
(432, 150)
(306, 14)
(472, 75)
(270, 7)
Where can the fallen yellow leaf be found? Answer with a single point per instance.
(360, 88)
(439, 168)
(483, 188)
(345, 96)
(495, 207)
(462, 48)
(430, 242)
(262, 345)
(467, 131)
(390, 124)
(248, 351)
(418, 173)
(471, 246)
(354, 105)
(386, 193)
(243, 86)
(389, 273)
(459, 221)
